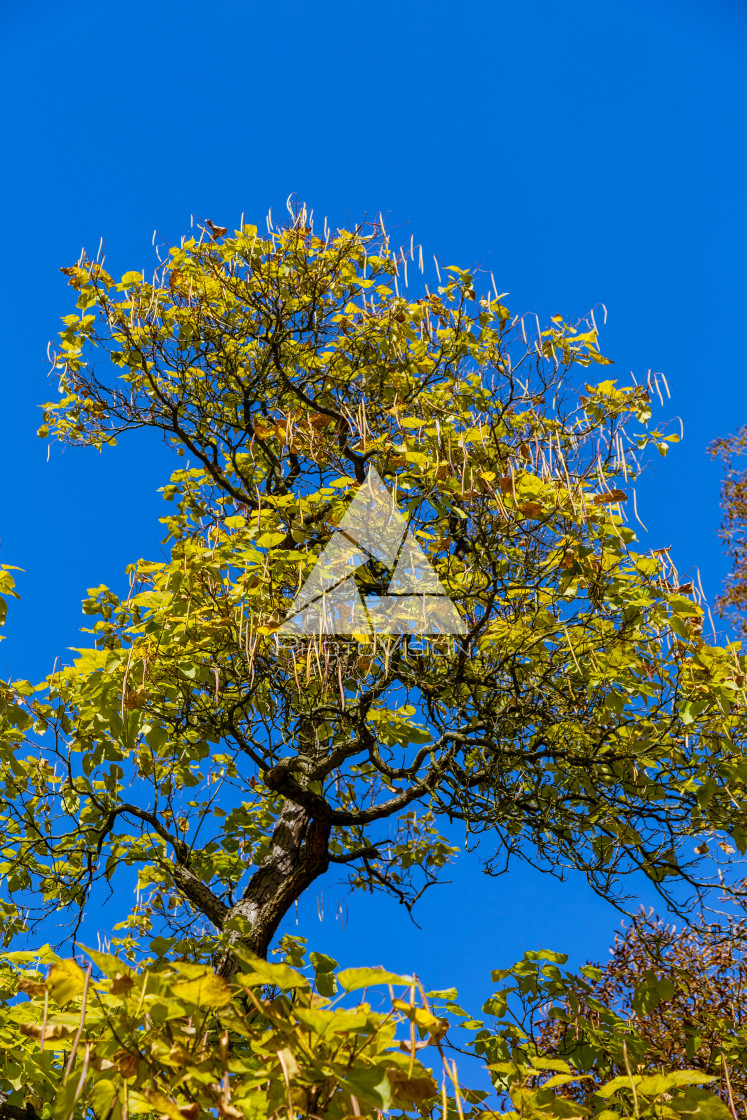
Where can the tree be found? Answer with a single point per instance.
(175, 1040)
(733, 601)
(580, 721)
(682, 994)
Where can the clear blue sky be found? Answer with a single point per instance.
(585, 152)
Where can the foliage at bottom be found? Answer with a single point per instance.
(173, 1039)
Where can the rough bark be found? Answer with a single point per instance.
(298, 855)
(14, 1112)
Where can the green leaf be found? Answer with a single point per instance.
(496, 1005)
(700, 1105)
(370, 1085)
(546, 955)
(324, 966)
(685, 607)
(664, 1082)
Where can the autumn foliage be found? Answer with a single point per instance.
(733, 600)
(581, 720)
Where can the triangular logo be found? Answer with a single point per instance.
(329, 601)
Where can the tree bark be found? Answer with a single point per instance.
(14, 1112)
(298, 854)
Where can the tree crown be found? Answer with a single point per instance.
(580, 720)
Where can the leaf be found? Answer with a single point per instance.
(323, 963)
(370, 1085)
(161, 945)
(664, 1082)
(612, 497)
(351, 979)
(700, 1105)
(564, 1079)
(324, 966)
(261, 972)
(216, 231)
(546, 955)
(617, 1083)
(666, 989)
(167, 1105)
(686, 607)
(109, 965)
(23, 956)
(496, 1005)
(102, 1096)
(689, 711)
(679, 628)
(53, 1030)
(411, 1090)
(645, 996)
(206, 990)
(31, 987)
(66, 980)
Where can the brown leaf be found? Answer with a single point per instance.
(126, 1062)
(121, 984)
(411, 1089)
(610, 498)
(216, 231)
(53, 1030)
(135, 698)
(228, 1112)
(407, 1047)
(31, 987)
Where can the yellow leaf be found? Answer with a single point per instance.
(350, 979)
(66, 980)
(207, 990)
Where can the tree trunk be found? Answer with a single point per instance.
(298, 854)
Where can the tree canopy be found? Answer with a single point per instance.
(729, 449)
(682, 992)
(580, 719)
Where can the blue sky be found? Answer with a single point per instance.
(587, 153)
